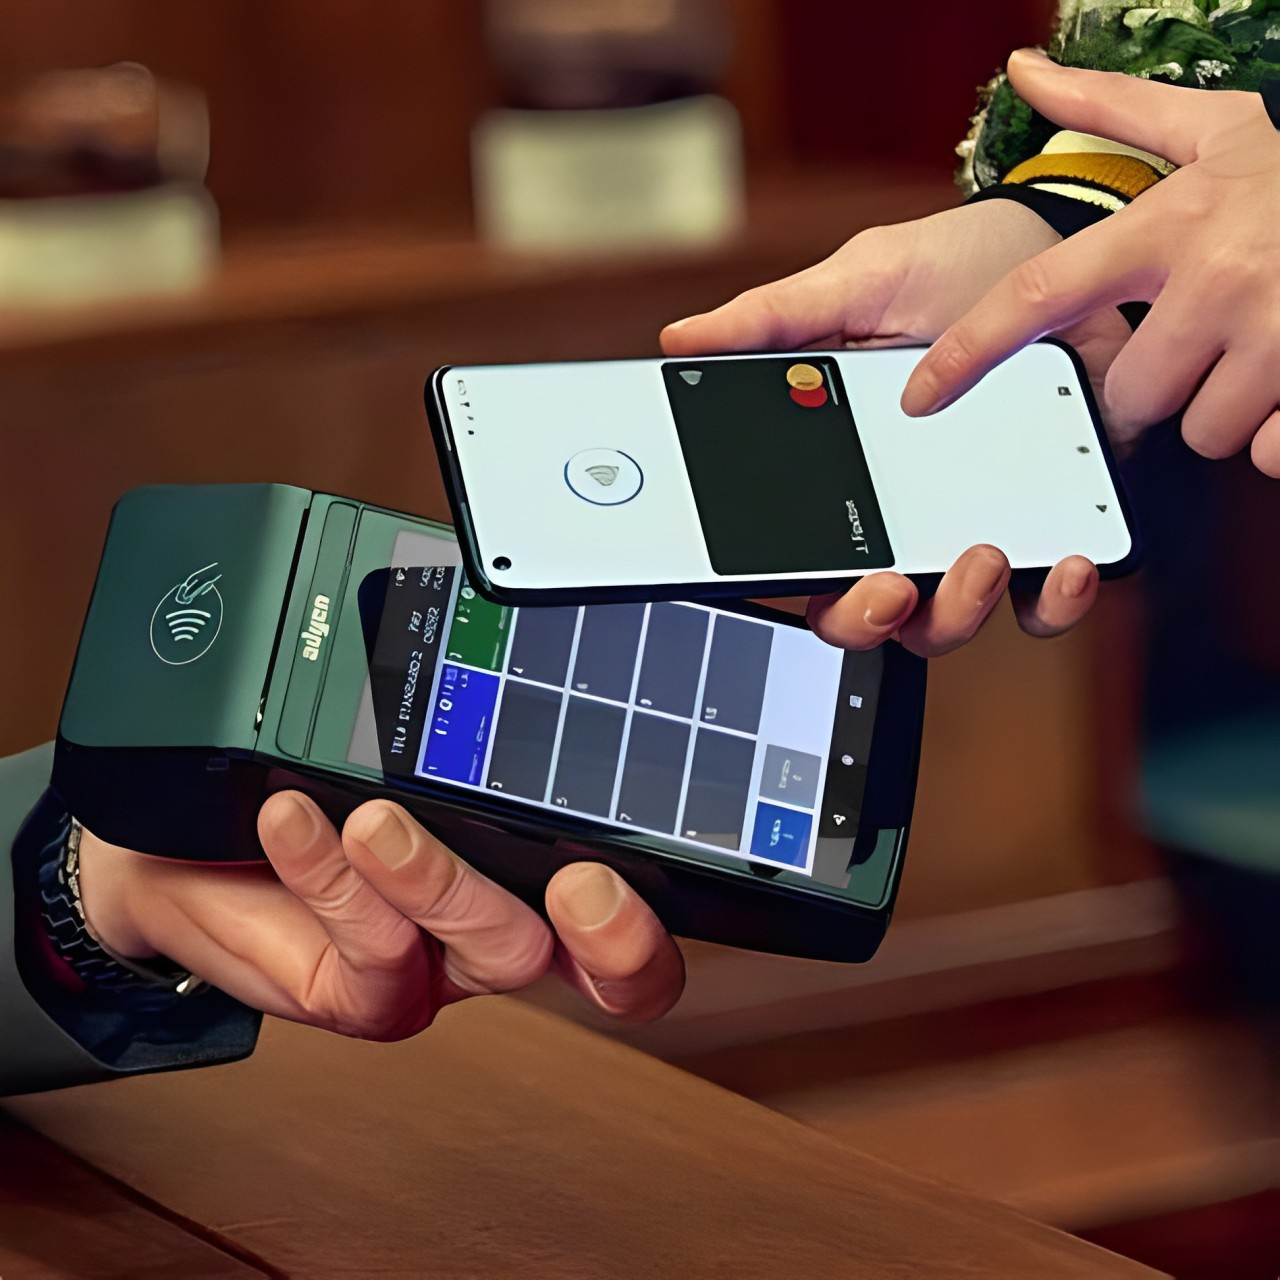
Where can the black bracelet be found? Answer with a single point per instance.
(1065, 214)
(1270, 91)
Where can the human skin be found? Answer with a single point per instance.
(905, 284)
(1202, 246)
(371, 931)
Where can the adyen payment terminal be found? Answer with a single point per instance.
(752, 783)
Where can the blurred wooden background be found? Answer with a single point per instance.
(340, 165)
(327, 112)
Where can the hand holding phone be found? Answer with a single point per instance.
(897, 285)
(765, 474)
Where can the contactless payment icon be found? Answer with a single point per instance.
(805, 382)
(188, 618)
(604, 477)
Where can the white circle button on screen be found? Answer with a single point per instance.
(604, 477)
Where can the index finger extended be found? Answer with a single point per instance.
(845, 295)
(1113, 261)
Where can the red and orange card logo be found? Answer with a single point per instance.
(804, 382)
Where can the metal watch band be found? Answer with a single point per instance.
(64, 920)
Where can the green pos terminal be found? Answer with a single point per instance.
(753, 784)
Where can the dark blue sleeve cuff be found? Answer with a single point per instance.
(146, 1030)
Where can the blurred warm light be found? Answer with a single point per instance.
(101, 190)
(572, 17)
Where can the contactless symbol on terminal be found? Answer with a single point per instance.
(188, 618)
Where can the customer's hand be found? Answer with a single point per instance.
(372, 931)
(892, 286)
(1203, 246)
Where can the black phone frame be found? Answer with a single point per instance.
(494, 590)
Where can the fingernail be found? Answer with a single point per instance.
(982, 573)
(590, 895)
(1030, 52)
(916, 402)
(390, 841)
(1075, 580)
(295, 820)
(892, 606)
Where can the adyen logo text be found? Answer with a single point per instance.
(317, 629)
(188, 618)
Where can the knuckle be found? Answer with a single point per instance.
(870, 242)
(759, 297)
(1033, 283)
(952, 356)
(444, 886)
(523, 959)
(1233, 274)
(392, 1002)
(1077, 96)
(332, 889)
(1196, 199)
(766, 302)
(526, 962)
(1241, 107)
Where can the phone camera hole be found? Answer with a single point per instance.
(501, 562)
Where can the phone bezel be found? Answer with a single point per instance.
(495, 590)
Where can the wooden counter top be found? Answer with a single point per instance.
(504, 1141)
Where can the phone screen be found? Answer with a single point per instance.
(713, 732)
(766, 467)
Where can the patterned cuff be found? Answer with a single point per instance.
(1093, 170)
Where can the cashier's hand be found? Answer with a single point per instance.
(901, 285)
(372, 931)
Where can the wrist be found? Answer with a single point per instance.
(1021, 227)
(109, 893)
(1064, 214)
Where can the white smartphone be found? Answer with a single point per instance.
(776, 474)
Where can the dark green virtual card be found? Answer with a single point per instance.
(776, 467)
